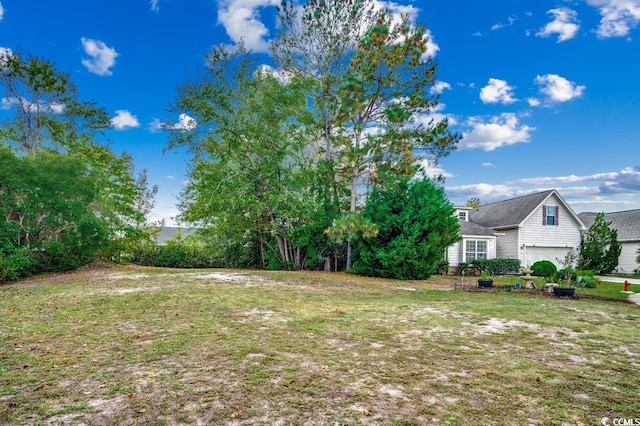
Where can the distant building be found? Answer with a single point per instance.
(171, 232)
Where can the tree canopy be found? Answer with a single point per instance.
(599, 247)
(284, 159)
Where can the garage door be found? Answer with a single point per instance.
(552, 254)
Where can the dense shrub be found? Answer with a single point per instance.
(543, 268)
(587, 278)
(177, 254)
(415, 224)
(15, 262)
(463, 268)
(498, 266)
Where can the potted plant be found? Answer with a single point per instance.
(484, 280)
(565, 287)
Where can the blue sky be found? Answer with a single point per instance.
(545, 93)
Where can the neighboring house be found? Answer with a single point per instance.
(171, 232)
(533, 227)
(627, 223)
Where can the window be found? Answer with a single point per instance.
(475, 249)
(549, 215)
(462, 216)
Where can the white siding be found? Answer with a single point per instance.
(507, 244)
(627, 261)
(534, 233)
(454, 253)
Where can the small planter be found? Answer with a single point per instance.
(564, 291)
(485, 283)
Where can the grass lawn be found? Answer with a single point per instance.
(156, 346)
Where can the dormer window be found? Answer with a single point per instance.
(462, 216)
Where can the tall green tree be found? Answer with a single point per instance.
(44, 107)
(599, 247)
(44, 116)
(253, 156)
(415, 224)
(375, 79)
(385, 91)
(317, 41)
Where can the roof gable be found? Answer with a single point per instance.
(508, 213)
(627, 223)
(515, 211)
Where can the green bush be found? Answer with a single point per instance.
(462, 268)
(498, 266)
(587, 278)
(15, 263)
(177, 255)
(544, 268)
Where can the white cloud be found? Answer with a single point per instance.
(625, 181)
(5, 53)
(124, 120)
(26, 105)
(185, 123)
(533, 102)
(1, 12)
(102, 58)
(432, 47)
(485, 191)
(489, 165)
(431, 169)
(497, 91)
(241, 20)
(170, 177)
(436, 115)
(154, 5)
(510, 21)
(282, 76)
(619, 17)
(502, 130)
(564, 24)
(557, 88)
(155, 125)
(439, 87)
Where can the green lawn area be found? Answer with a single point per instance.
(158, 346)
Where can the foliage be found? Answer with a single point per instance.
(497, 266)
(415, 225)
(484, 275)
(374, 80)
(544, 268)
(566, 276)
(599, 247)
(587, 279)
(65, 199)
(463, 268)
(443, 267)
(178, 253)
(473, 202)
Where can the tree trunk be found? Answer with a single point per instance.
(327, 263)
(352, 208)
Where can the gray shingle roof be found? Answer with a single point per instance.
(507, 213)
(627, 223)
(468, 228)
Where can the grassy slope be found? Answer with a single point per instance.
(127, 346)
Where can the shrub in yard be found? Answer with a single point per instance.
(544, 268)
(587, 278)
(498, 266)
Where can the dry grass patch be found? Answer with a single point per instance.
(158, 346)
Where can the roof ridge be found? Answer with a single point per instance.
(518, 197)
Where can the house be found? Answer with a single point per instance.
(533, 227)
(627, 223)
